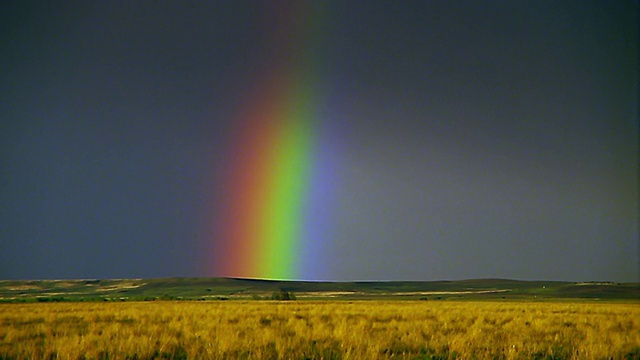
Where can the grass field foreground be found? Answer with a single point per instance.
(314, 330)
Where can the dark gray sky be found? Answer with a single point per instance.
(467, 139)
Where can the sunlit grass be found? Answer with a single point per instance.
(299, 330)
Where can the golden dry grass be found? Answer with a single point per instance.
(315, 330)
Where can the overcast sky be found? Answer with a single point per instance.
(467, 139)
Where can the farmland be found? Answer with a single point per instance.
(320, 329)
(248, 289)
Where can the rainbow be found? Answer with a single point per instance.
(272, 210)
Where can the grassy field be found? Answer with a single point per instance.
(320, 330)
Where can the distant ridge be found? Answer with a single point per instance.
(261, 289)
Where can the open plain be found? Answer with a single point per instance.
(320, 330)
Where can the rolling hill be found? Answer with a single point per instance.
(255, 289)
